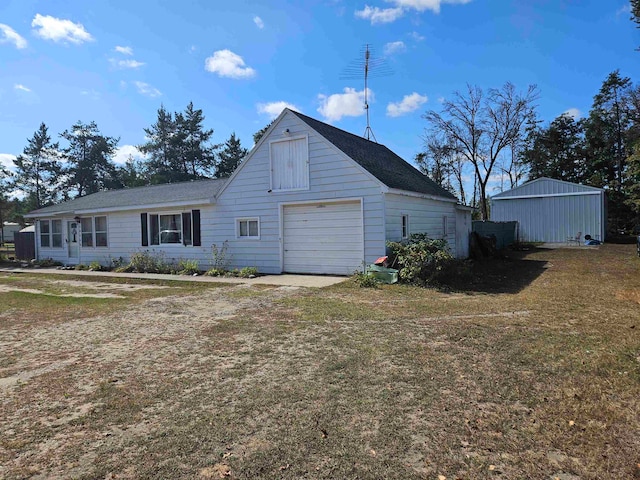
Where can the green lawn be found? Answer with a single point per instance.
(532, 372)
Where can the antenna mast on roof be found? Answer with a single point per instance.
(376, 67)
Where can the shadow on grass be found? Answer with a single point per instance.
(510, 273)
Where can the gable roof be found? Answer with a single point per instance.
(546, 186)
(378, 160)
(170, 194)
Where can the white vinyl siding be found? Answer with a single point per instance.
(323, 238)
(290, 165)
(426, 215)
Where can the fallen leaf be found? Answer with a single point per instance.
(227, 454)
(284, 467)
(571, 423)
(372, 452)
(442, 477)
(492, 467)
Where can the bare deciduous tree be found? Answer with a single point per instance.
(483, 127)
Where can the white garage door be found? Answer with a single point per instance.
(323, 238)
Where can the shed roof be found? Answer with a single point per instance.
(544, 186)
(195, 192)
(378, 160)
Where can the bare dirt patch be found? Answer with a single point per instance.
(538, 378)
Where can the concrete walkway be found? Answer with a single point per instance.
(314, 281)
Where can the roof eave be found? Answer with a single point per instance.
(410, 193)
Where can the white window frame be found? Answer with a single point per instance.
(49, 234)
(169, 244)
(307, 162)
(247, 219)
(404, 226)
(94, 232)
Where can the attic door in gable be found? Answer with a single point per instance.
(290, 164)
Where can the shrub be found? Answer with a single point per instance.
(149, 262)
(424, 261)
(365, 281)
(95, 266)
(188, 267)
(215, 272)
(48, 262)
(81, 266)
(248, 272)
(220, 258)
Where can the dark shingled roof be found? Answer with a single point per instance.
(378, 160)
(130, 197)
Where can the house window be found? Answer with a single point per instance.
(94, 231)
(86, 227)
(444, 226)
(405, 227)
(100, 224)
(290, 165)
(171, 228)
(51, 233)
(248, 228)
(56, 233)
(45, 234)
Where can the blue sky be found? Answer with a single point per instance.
(115, 62)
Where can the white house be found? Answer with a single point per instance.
(8, 231)
(308, 198)
(549, 210)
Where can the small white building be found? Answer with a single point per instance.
(549, 210)
(308, 198)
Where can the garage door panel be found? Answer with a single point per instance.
(323, 238)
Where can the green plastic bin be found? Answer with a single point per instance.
(384, 274)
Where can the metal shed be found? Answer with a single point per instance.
(549, 210)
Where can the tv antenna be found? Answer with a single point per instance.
(371, 66)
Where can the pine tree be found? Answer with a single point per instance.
(90, 168)
(230, 156)
(197, 156)
(38, 170)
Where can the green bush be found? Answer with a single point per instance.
(150, 262)
(248, 272)
(48, 262)
(81, 267)
(424, 261)
(95, 266)
(188, 267)
(215, 272)
(220, 258)
(365, 281)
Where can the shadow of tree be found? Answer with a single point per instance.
(509, 273)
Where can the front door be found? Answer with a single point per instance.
(73, 237)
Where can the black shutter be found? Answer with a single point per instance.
(155, 232)
(186, 228)
(195, 214)
(145, 229)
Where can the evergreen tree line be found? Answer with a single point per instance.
(178, 148)
(477, 136)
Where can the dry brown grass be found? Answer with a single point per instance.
(532, 371)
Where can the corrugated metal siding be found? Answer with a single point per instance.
(552, 219)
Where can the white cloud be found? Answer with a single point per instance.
(573, 113)
(6, 160)
(392, 48)
(387, 15)
(409, 103)
(422, 5)
(124, 152)
(258, 21)
(124, 50)
(273, 109)
(19, 86)
(228, 64)
(625, 9)
(59, 30)
(416, 36)
(146, 89)
(347, 104)
(441, 99)
(128, 63)
(379, 15)
(93, 94)
(9, 35)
